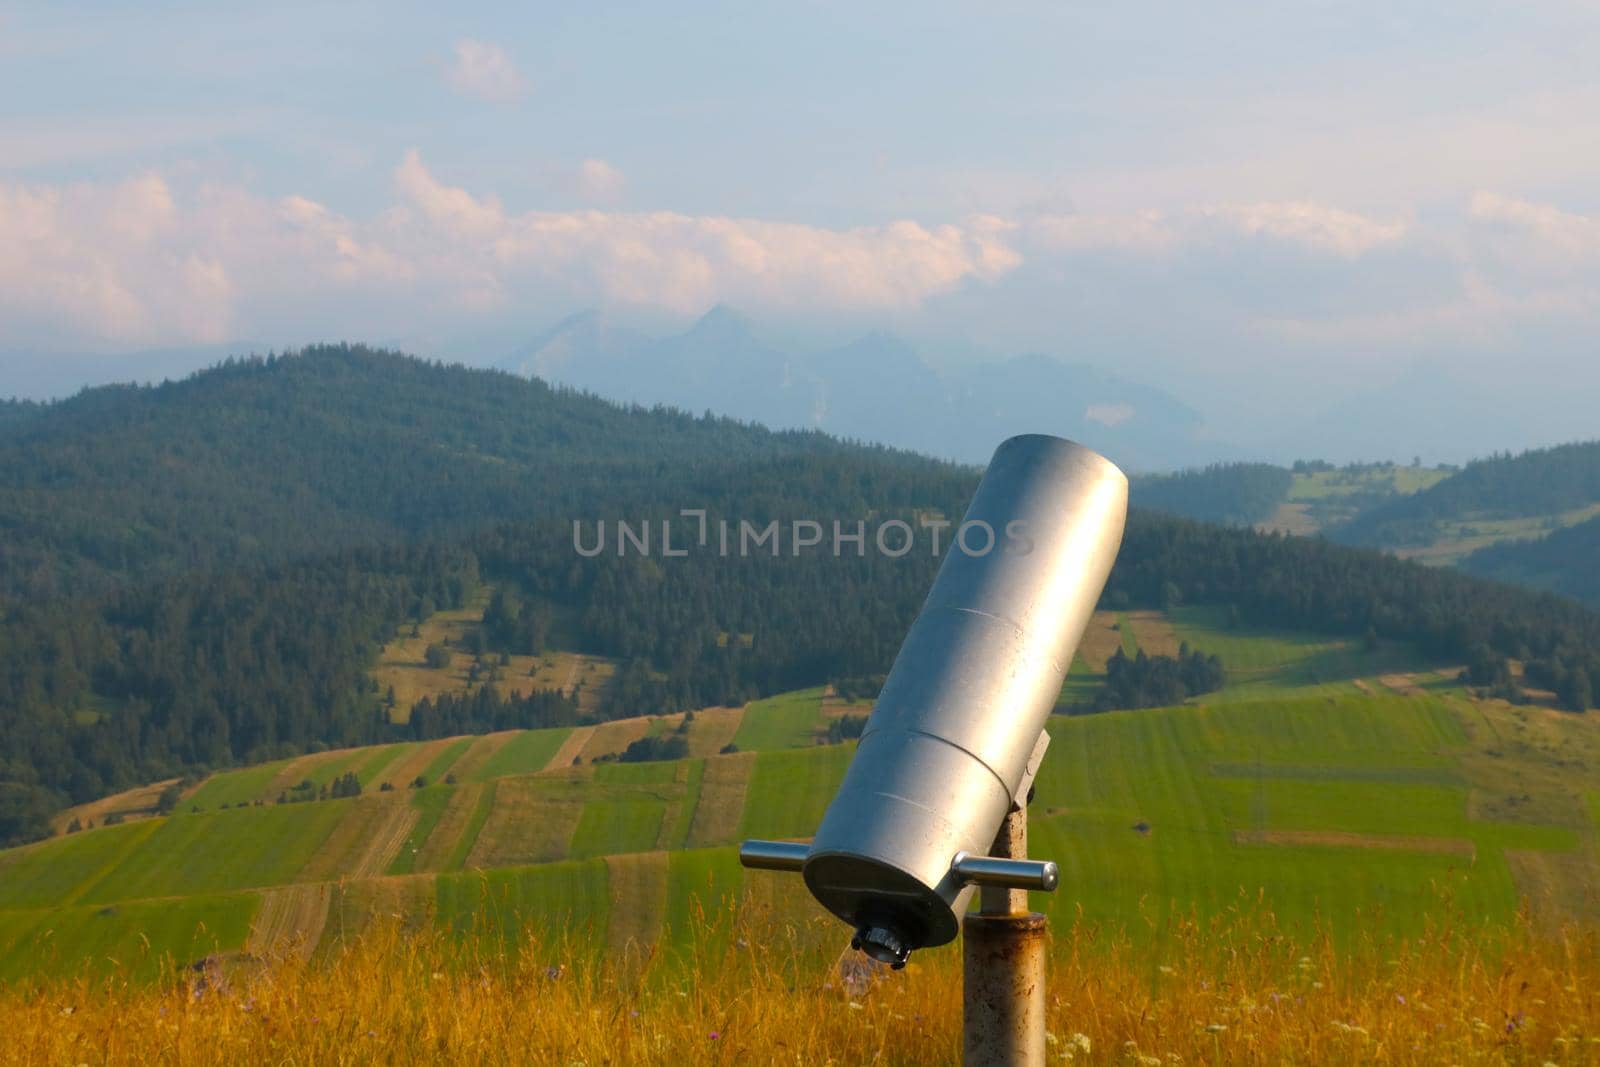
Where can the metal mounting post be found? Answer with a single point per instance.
(1003, 965)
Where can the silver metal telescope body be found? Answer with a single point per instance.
(958, 729)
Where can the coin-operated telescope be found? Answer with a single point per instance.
(934, 802)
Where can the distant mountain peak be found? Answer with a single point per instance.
(721, 324)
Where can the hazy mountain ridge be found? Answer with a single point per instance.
(876, 388)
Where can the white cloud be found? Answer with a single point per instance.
(142, 263)
(147, 262)
(108, 262)
(1560, 230)
(1315, 226)
(599, 180)
(483, 70)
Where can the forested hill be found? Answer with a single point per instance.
(1567, 561)
(336, 446)
(1543, 482)
(13, 411)
(1238, 494)
(201, 574)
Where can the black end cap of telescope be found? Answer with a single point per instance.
(883, 944)
(892, 913)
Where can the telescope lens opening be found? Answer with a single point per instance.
(883, 945)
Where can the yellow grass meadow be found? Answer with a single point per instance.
(1231, 991)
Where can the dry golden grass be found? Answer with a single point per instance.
(1231, 992)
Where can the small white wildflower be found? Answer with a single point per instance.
(1150, 1061)
(1164, 969)
(854, 1006)
(1051, 1039)
(1081, 1043)
(1215, 1028)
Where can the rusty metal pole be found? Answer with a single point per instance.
(1003, 972)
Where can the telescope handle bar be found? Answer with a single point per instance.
(1041, 876)
(774, 855)
(1037, 875)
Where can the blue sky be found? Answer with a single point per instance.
(1248, 202)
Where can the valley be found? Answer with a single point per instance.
(1328, 782)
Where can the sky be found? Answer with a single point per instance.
(1271, 210)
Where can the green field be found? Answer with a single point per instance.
(436, 771)
(480, 815)
(1401, 481)
(191, 854)
(1315, 785)
(235, 787)
(790, 790)
(566, 898)
(792, 720)
(140, 937)
(430, 804)
(525, 753)
(62, 869)
(627, 822)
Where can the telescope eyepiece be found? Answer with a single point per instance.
(883, 945)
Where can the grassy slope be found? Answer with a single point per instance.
(791, 720)
(1342, 803)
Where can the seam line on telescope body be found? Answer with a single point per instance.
(979, 760)
(982, 615)
(1020, 632)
